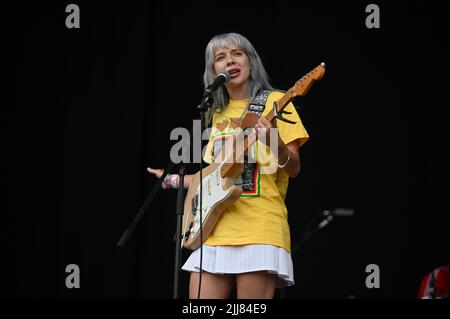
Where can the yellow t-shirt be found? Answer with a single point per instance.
(259, 216)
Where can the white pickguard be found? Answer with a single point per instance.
(212, 193)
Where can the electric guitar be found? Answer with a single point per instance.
(218, 179)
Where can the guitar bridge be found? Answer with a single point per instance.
(186, 234)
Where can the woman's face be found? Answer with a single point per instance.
(236, 62)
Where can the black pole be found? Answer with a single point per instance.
(203, 107)
(179, 212)
(127, 233)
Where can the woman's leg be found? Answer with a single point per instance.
(213, 286)
(256, 285)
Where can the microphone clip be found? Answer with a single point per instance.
(206, 103)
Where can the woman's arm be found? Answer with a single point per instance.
(158, 172)
(288, 155)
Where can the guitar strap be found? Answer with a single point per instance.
(258, 104)
(246, 180)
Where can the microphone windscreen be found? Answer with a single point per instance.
(226, 74)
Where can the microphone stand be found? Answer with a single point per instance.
(203, 107)
(309, 233)
(179, 212)
(126, 235)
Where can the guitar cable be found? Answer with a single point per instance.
(202, 121)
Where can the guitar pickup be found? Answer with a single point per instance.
(194, 204)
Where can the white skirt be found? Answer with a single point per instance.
(242, 259)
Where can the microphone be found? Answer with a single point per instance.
(344, 212)
(221, 78)
(338, 212)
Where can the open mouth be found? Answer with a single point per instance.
(234, 73)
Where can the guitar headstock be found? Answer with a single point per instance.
(302, 86)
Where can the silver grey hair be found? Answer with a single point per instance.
(258, 77)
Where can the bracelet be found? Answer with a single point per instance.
(170, 181)
(287, 161)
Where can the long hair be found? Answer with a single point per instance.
(258, 78)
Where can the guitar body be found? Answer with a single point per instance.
(218, 193)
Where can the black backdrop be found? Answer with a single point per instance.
(90, 108)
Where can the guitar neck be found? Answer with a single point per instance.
(250, 139)
(300, 88)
